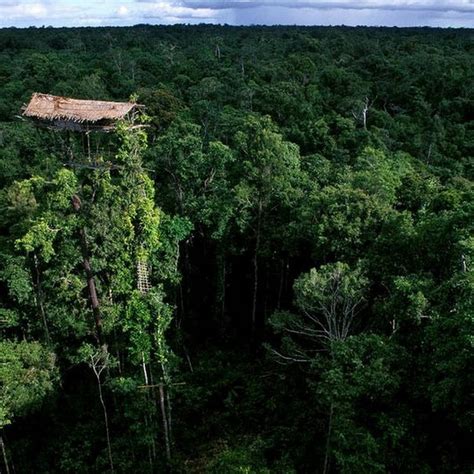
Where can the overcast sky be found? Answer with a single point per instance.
(445, 13)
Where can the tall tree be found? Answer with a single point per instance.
(269, 171)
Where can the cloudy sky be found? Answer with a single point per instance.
(445, 13)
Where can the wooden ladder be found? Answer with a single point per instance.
(143, 277)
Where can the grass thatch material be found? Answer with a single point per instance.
(50, 108)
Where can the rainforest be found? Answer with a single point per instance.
(269, 268)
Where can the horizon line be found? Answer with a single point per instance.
(228, 25)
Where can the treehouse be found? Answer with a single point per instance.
(63, 113)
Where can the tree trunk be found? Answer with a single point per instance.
(165, 408)
(148, 418)
(170, 425)
(4, 453)
(220, 284)
(188, 358)
(165, 422)
(327, 456)
(365, 111)
(187, 280)
(94, 300)
(145, 374)
(180, 297)
(39, 298)
(106, 421)
(267, 277)
(280, 286)
(153, 397)
(149, 448)
(255, 271)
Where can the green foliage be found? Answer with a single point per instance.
(328, 299)
(244, 459)
(379, 176)
(332, 285)
(360, 373)
(269, 169)
(308, 189)
(28, 373)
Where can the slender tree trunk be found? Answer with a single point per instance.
(149, 425)
(148, 418)
(154, 398)
(153, 444)
(170, 425)
(327, 455)
(94, 300)
(184, 287)
(145, 374)
(180, 296)
(187, 282)
(117, 352)
(39, 298)
(365, 111)
(91, 286)
(106, 421)
(223, 282)
(4, 453)
(165, 408)
(280, 286)
(255, 270)
(179, 292)
(266, 293)
(255, 291)
(88, 143)
(165, 422)
(220, 284)
(150, 455)
(188, 358)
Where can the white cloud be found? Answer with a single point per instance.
(420, 5)
(327, 12)
(20, 10)
(39, 10)
(172, 10)
(122, 12)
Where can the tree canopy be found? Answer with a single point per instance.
(270, 271)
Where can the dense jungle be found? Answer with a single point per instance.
(301, 203)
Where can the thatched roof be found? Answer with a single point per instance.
(47, 107)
